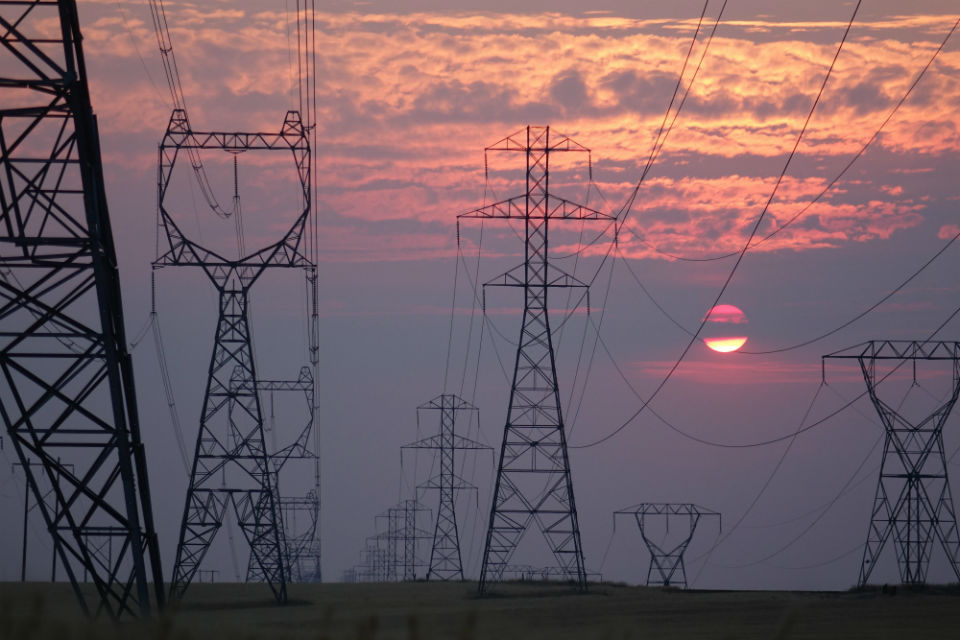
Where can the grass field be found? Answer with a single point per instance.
(431, 611)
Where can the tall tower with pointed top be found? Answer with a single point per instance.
(446, 561)
(534, 483)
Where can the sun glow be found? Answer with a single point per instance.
(725, 345)
(717, 328)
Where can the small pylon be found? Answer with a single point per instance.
(300, 515)
(396, 543)
(666, 562)
(446, 561)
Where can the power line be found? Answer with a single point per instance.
(865, 311)
(746, 246)
(770, 478)
(842, 172)
(661, 139)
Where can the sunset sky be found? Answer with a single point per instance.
(409, 93)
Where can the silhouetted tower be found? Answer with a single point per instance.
(446, 562)
(666, 557)
(399, 538)
(300, 515)
(231, 464)
(67, 390)
(913, 501)
(533, 477)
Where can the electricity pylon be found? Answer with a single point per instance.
(301, 541)
(67, 390)
(667, 561)
(913, 502)
(231, 463)
(533, 476)
(446, 562)
(399, 537)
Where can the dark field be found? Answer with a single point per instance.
(521, 611)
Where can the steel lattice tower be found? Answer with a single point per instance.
(67, 389)
(913, 502)
(446, 562)
(667, 561)
(231, 464)
(400, 539)
(533, 476)
(300, 543)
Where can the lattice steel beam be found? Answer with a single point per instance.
(533, 482)
(913, 501)
(231, 463)
(67, 395)
(446, 561)
(666, 562)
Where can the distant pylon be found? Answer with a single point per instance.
(399, 540)
(666, 562)
(913, 501)
(533, 477)
(231, 465)
(300, 515)
(446, 561)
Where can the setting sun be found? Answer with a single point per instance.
(716, 332)
(725, 345)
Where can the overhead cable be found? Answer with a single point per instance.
(746, 245)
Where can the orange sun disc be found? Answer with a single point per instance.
(725, 345)
(717, 329)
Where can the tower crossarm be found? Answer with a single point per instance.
(180, 135)
(900, 350)
(436, 442)
(183, 252)
(456, 483)
(555, 277)
(535, 139)
(557, 208)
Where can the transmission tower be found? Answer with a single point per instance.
(67, 388)
(666, 562)
(300, 515)
(398, 537)
(446, 562)
(231, 463)
(533, 476)
(913, 502)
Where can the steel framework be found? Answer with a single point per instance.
(667, 562)
(67, 389)
(446, 562)
(533, 475)
(399, 537)
(231, 463)
(301, 549)
(913, 502)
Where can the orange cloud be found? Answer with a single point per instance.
(407, 101)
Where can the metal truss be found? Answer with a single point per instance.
(396, 542)
(375, 562)
(446, 562)
(67, 395)
(913, 502)
(533, 476)
(300, 515)
(231, 463)
(666, 563)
